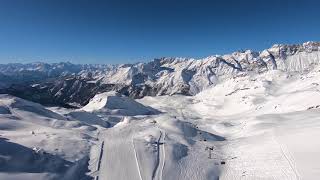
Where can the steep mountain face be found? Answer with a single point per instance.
(66, 83)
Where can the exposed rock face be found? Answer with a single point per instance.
(66, 83)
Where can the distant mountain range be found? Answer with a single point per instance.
(67, 84)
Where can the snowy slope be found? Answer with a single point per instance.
(254, 115)
(269, 122)
(33, 143)
(115, 104)
(258, 127)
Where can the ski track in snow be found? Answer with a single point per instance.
(99, 160)
(136, 158)
(286, 153)
(270, 161)
(158, 174)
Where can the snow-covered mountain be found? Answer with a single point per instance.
(253, 115)
(66, 83)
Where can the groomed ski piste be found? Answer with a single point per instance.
(253, 126)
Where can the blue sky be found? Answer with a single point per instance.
(124, 31)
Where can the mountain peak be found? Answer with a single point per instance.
(72, 83)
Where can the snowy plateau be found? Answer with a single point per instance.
(245, 115)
